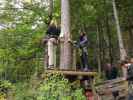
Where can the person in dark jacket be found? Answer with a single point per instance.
(130, 70)
(83, 45)
(53, 31)
(111, 72)
(130, 79)
(52, 39)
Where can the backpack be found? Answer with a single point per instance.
(130, 72)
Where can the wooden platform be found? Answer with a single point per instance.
(73, 73)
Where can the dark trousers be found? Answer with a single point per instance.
(130, 97)
(84, 60)
(130, 92)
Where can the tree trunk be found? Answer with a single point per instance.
(66, 50)
(130, 35)
(51, 6)
(123, 53)
(130, 41)
(109, 39)
(102, 43)
(50, 11)
(74, 58)
(108, 33)
(98, 52)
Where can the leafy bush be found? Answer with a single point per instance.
(56, 87)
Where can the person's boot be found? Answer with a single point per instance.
(86, 69)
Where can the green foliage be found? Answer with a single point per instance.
(5, 88)
(56, 87)
(53, 87)
(20, 43)
(24, 91)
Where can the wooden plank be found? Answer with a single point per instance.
(118, 84)
(82, 73)
(111, 82)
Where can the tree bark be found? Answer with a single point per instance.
(130, 35)
(51, 6)
(102, 43)
(123, 53)
(50, 10)
(66, 50)
(109, 39)
(130, 41)
(98, 52)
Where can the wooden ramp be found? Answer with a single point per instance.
(106, 88)
(73, 73)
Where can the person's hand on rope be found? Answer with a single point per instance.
(75, 44)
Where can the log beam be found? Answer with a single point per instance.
(73, 73)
